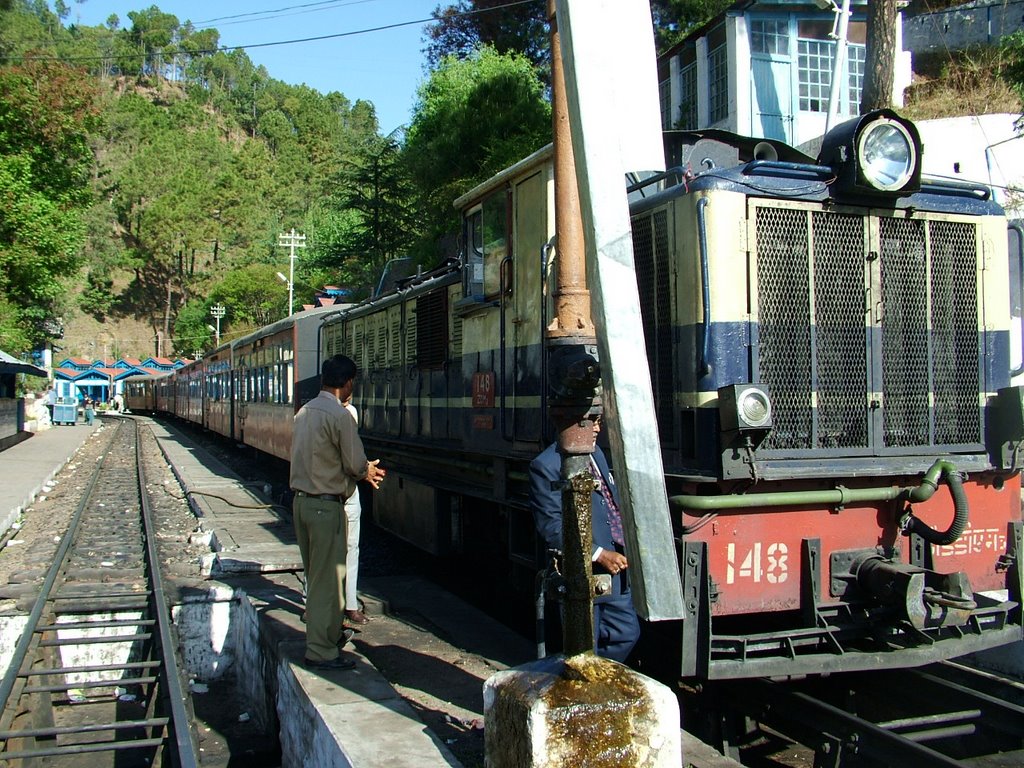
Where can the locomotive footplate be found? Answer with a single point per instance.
(924, 598)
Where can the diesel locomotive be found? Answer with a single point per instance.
(829, 343)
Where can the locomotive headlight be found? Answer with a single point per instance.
(887, 155)
(877, 154)
(744, 408)
(755, 408)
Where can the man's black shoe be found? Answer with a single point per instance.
(337, 664)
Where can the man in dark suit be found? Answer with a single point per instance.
(616, 627)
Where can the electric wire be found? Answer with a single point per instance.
(293, 41)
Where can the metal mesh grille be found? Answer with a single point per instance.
(816, 354)
(954, 316)
(784, 315)
(650, 255)
(904, 332)
(839, 331)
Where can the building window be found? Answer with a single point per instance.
(688, 98)
(769, 36)
(718, 84)
(816, 53)
(815, 74)
(856, 56)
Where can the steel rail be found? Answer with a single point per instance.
(28, 636)
(187, 756)
(162, 684)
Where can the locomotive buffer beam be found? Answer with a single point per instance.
(924, 598)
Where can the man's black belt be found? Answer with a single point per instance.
(322, 496)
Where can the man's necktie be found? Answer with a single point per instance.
(614, 517)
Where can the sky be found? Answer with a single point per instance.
(375, 53)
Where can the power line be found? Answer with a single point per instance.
(244, 18)
(317, 38)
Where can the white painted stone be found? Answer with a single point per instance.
(11, 628)
(205, 636)
(584, 710)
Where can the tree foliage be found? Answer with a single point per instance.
(472, 118)
(461, 28)
(46, 113)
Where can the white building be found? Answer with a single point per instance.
(765, 69)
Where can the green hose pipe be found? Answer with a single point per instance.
(844, 496)
(910, 524)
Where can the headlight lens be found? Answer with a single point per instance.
(887, 155)
(755, 407)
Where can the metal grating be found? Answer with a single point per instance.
(456, 333)
(821, 289)
(904, 332)
(432, 323)
(839, 328)
(396, 339)
(955, 340)
(784, 323)
(653, 276)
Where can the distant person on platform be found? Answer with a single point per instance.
(616, 627)
(90, 411)
(118, 402)
(327, 461)
(353, 511)
(50, 398)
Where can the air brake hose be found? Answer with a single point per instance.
(844, 496)
(910, 524)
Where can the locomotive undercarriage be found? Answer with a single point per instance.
(888, 620)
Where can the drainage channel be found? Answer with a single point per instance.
(94, 671)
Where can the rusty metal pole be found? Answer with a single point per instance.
(574, 373)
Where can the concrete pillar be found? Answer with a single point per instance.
(579, 711)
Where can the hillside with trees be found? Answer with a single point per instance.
(146, 175)
(146, 171)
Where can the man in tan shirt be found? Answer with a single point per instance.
(327, 460)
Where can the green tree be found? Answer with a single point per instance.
(253, 296)
(46, 113)
(461, 28)
(379, 189)
(472, 118)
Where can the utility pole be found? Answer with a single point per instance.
(218, 311)
(839, 68)
(291, 241)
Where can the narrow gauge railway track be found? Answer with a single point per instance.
(942, 715)
(95, 669)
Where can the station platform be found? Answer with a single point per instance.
(27, 467)
(240, 618)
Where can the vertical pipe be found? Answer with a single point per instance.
(571, 328)
(839, 66)
(572, 299)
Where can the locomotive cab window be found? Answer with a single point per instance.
(487, 240)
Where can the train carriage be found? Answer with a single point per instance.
(217, 391)
(450, 394)
(140, 393)
(828, 342)
(188, 392)
(273, 372)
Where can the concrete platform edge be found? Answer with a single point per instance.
(248, 626)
